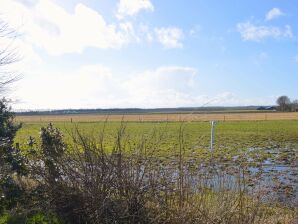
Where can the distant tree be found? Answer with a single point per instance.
(284, 103)
(295, 105)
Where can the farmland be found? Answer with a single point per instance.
(235, 132)
(192, 116)
(266, 149)
(229, 134)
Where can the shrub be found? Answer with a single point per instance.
(12, 163)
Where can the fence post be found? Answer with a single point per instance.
(213, 123)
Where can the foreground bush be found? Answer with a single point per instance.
(12, 163)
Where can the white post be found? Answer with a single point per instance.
(213, 123)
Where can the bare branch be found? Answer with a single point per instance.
(8, 55)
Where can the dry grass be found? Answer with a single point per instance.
(250, 116)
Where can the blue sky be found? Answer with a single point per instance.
(148, 53)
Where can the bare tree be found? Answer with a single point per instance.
(284, 103)
(8, 56)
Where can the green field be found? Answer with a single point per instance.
(231, 138)
(263, 152)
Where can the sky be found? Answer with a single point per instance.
(152, 54)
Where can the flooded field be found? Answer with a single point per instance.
(261, 156)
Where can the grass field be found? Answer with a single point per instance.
(232, 136)
(268, 147)
(266, 151)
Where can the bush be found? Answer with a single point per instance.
(35, 218)
(13, 164)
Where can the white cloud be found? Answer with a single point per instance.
(251, 32)
(170, 37)
(19, 51)
(128, 28)
(49, 26)
(167, 86)
(88, 87)
(146, 32)
(273, 13)
(296, 58)
(96, 86)
(132, 7)
(164, 86)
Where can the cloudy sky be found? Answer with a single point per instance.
(149, 53)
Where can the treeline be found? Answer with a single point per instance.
(137, 110)
(285, 104)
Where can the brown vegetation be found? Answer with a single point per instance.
(250, 116)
